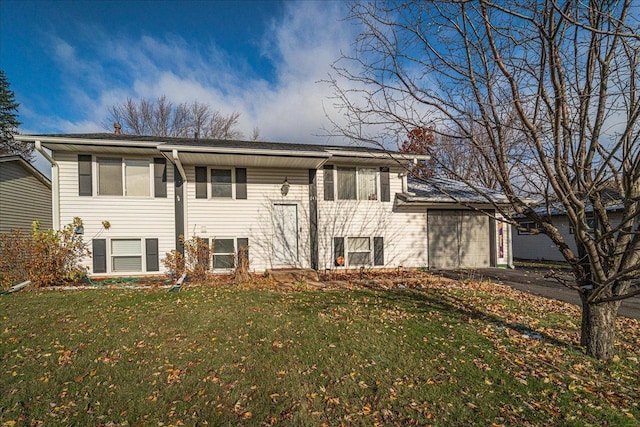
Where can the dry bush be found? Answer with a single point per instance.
(241, 273)
(46, 257)
(195, 261)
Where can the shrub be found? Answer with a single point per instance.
(241, 273)
(46, 257)
(195, 261)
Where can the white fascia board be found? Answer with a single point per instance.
(246, 151)
(379, 155)
(86, 141)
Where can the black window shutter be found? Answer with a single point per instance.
(241, 183)
(328, 182)
(201, 182)
(84, 175)
(385, 190)
(99, 255)
(151, 252)
(243, 248)
(160, 176)
(338, 251)
(378, 251)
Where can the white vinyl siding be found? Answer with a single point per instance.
(403, 229)
(126, 255)
(253, 217)
(130, 217)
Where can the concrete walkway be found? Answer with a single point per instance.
(532, 280)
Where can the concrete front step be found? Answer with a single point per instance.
(295, 275)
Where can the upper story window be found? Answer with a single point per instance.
(357, 184)
(221, 183)
(117, 176)
(226, 183)
(123, 177)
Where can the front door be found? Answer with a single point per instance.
(285, 234)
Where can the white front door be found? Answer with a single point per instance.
(285, 234)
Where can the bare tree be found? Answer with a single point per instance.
(544, 92)
(162, 117)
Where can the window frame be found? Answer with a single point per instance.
(232, 184)
(358, 169)
(150, 177)
(212, 248)
(530, 225)
(591, 223)
(141, 255)
(348, 251)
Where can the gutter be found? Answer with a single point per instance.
(178, 163)
(183, 174)
(55, 184)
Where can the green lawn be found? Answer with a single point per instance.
(445, 355)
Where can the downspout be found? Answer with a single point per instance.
(183, 174)
(55, 185)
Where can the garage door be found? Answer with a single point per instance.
(458, 239)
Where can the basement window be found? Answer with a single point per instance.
(223, 254)
(126, 255)
(359, 251)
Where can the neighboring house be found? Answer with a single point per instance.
(25, 195)
(529, 244)
(293, 205)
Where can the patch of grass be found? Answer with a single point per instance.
(532, 263)
(444, 355)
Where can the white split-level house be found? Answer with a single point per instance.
(293, 205)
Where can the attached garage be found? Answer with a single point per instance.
(462, 228)
(458, 239)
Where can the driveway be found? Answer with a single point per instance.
(532, 280)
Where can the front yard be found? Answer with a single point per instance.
(446, 354)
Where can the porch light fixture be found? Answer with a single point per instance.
(284, 190)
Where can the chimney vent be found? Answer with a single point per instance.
(117, 128)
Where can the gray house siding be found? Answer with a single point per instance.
(24, 197)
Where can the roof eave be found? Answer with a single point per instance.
(245, 151)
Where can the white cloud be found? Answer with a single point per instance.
(301, 45)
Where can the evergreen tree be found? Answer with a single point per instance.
(9, 122)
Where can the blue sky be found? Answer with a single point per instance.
(69, 61)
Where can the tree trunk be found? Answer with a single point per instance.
(598, 328)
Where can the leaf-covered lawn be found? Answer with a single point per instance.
(447, 354)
